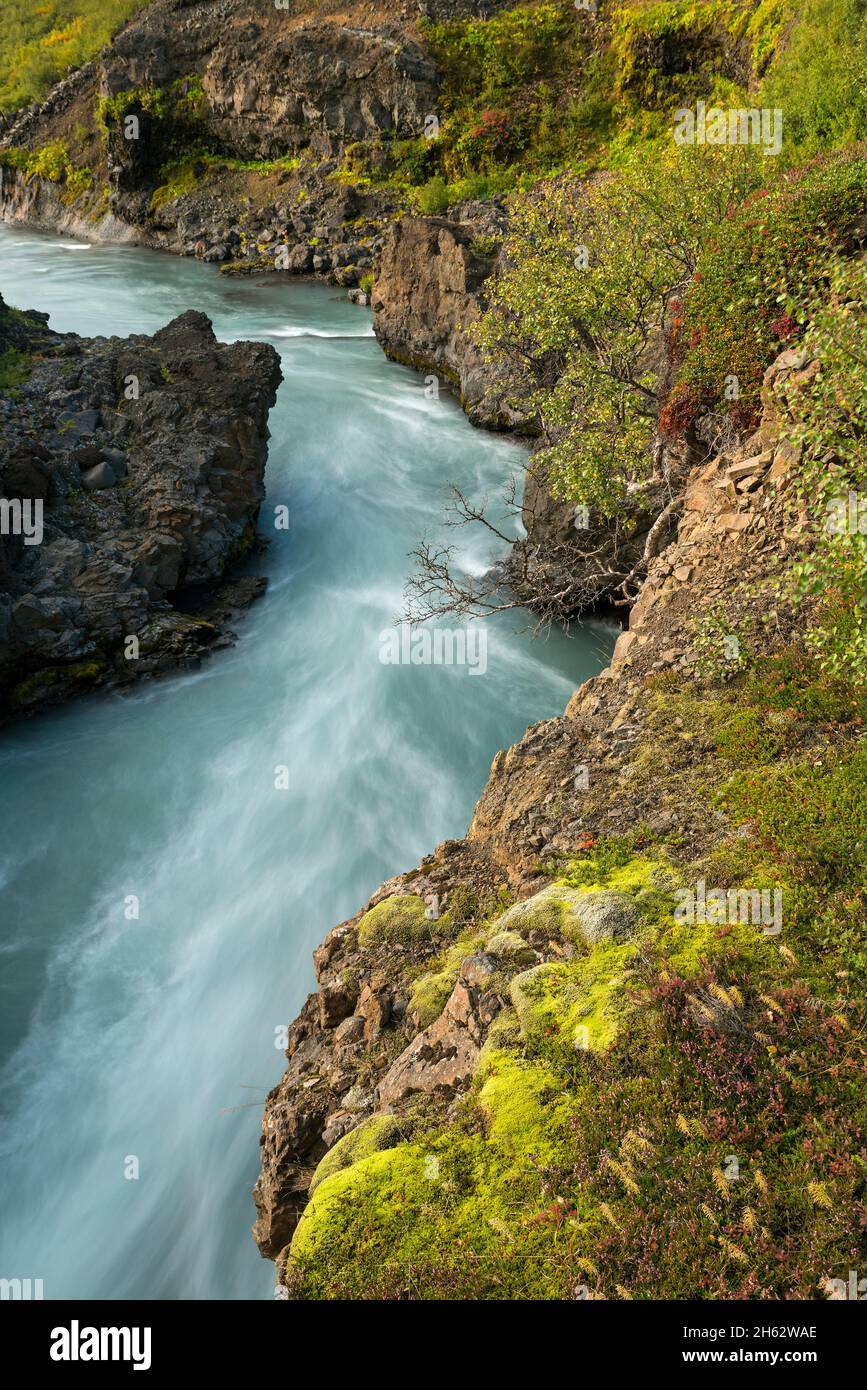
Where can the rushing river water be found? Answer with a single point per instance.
(155, 1039)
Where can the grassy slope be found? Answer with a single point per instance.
(608, 1172)
(40, 39)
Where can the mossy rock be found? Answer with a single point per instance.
(577, 1003)
(504, 1033)
(367, 1182)
(573, 914)
(47, 681)
(370, 1137)
(452, 1192)
(429, 994)
(400, 918)
(509, 946)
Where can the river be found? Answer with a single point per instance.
(147, 1045)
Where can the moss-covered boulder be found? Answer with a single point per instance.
(429, 995)
(400, 918)
(510, 947)
(577, 1002)
(370, 1137)
(573, 914)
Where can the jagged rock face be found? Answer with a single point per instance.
(324, 85)
(444, 1057)
(276, 82)
(428, 296)
(139, 497)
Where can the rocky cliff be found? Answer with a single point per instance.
(429, 295)
(131, 477)
(214, 129)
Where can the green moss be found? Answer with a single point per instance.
(371, 1136)
(701, 1041)
(111, 110)
(15, 368)
(504, 1033)
(522, 1103)
(749, 738)
(690, 949)
(546, 912)
(508, 945)
(338, 1198)
(35, 687)
(573, 1004)
(429, 995)
(563, 913)
(458, 1200)
(399, 918)
(180, 178)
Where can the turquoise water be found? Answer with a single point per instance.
(153, 1039)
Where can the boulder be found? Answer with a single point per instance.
(575, 914)
(509, 946)
(371, 1136)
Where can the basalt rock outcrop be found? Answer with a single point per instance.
(131, 478)
(429, 295)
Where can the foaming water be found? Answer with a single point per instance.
(151, 1042)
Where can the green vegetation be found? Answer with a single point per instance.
(42, 38)
(371, 1136)
(592, 272)
(52, 162)
(110, 111)
(184, 175)
(15, 368)
(710, 246)
(81, 673)
(819, 78)
(400, 918)
(755, 269)
(826, 418)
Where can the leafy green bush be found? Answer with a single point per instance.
(826, 416)
(590, 271)
(753, 269)
(433, 198)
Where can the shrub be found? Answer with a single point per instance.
(756, 265)
(433, 197)
(827, 417)
(589, 273)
